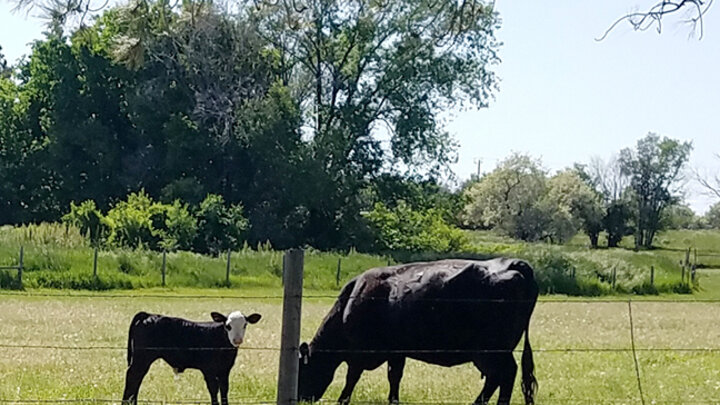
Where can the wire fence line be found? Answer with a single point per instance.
(540, 300)
(708, 350)
(259, 401)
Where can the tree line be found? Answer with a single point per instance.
(306, 115)
(311, 123)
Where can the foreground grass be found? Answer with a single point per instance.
(604, 376)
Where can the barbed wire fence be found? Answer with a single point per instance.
(292, 351)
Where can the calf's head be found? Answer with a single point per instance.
(235, 325)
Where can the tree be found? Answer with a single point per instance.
(609, 181)
(5, 69)
(362, 71)
(569, 193)
(711, 185)
(713, 216)
(655, 168)
(679, 216)
(506, 199)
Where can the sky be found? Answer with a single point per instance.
(563, 96)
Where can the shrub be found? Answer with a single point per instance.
(220, 227)
(404, 229)
(132, 221)
(89, 220)
(180, 227)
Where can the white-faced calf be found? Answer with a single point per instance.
(210, 347)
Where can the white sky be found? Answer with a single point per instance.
(565, 97)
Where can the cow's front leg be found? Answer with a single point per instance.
(351, 379)
(213, 384)
(133, 378)
(396, 367)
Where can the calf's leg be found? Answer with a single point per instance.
(213, 384)
(224, 385)
(133, 378)
(396, 367)
(351, 379)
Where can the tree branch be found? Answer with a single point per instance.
(641, 21)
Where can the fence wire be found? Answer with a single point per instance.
(569, 300)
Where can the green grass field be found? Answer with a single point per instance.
(585, 376)
(582, 346)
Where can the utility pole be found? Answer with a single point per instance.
(478, 161)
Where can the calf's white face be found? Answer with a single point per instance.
(235, 325)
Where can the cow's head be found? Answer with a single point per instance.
(235, 325)
(315, 373)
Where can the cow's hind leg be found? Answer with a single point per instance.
(395, 374)
(499, 370)
(213, 384)
(133, 378)
(351, 379)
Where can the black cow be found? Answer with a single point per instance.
(446, 312)
(210, 347)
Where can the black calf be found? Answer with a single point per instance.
(210, 347)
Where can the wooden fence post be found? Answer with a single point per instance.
(20, 266)
(290, 337)
(614, 277)
(682, 275)
(227, 269)
(95, 263)
(163, 268)
(337, 274)
(652, 275)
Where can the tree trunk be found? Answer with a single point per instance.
(594, 239)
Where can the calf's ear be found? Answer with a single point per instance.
(218, 317)
(253, 318)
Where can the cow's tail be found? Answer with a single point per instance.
(529, 383)
(137, 319)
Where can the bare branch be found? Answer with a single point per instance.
(712, 186)
(642, 21)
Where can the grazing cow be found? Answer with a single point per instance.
(210, 347)
(447, 312)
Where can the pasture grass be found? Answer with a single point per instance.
(56, 256)
(606, 376)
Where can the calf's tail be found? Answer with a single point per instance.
(529, 383)
(137, 319)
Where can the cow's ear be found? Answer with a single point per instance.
(218, 317)
(304, 352)
(253, 318)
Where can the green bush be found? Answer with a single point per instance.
(142, 222)
(131, 222)
(89, 220)
(404, 229)
(220, 227)
(180, 227)
(78, 281)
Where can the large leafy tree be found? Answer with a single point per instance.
(569, 193)
(371, 79)
(507, 199)
(655, 169)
